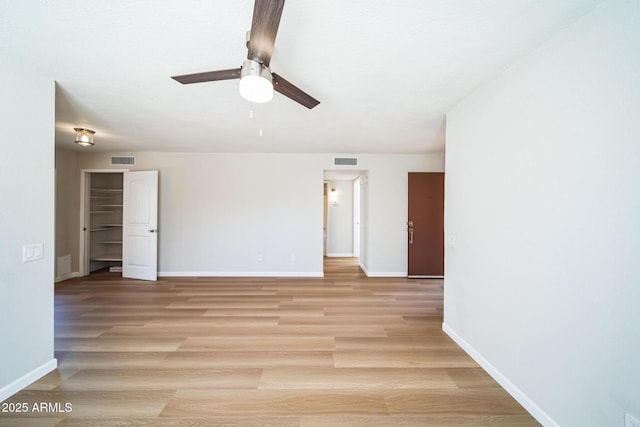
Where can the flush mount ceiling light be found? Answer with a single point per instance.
(84, 137)
(256, 83)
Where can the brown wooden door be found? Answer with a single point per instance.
(425, 225)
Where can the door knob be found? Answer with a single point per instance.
(153, 230)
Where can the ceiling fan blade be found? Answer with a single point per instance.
(264, 27)
(209, 76)
(290, 91)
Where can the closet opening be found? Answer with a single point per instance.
(101, 201)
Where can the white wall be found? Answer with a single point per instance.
(67, 210)
(340, 219)
(543, 198)
(218, 212)
(387, 208)
(26, 216)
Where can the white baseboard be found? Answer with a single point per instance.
(67, 276)
(386, 273)
(382, 273)
(363, 268)
(339, 255)
(528, 404)
(240, 274)
(27, 379)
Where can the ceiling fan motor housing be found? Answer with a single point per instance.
(254, 68)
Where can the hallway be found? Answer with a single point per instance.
(342, 268)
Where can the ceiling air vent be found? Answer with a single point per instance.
(123, 160)
(345, 161)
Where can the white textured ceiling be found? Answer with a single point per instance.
(386, 72)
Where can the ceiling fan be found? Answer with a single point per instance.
(257, 82)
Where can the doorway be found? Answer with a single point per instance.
(343, 208)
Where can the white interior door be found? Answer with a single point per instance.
(140, 225)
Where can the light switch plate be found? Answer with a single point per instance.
(32, 252)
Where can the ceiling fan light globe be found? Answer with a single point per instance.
(256, 89)
(256, 82)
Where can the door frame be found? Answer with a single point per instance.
(363, 176)
(356, 216)
(325, 217)
(85, 201)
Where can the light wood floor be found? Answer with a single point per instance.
(344, 350)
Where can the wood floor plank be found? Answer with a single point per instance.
(224, 304)
(259, 344)
(344, 320)
(30, 422)
(423, 358)
(414, 330)
(98, 321)
(239, 297)
(248, 359)
(269, 312)
(258, 421)
(163, 379)
(373, 310)
(80, 331)
(212, 321)
(247, 330)
(487, 401)
(136, 344)
(427, 317)
(213, 403)
(223, 291)
(403, 343)
(115, 360)
(419, 421)
(340, 300)
(147, 313)
(289, 378)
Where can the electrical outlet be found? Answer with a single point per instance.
(630, 421)
(259, 257)
(293, 259)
